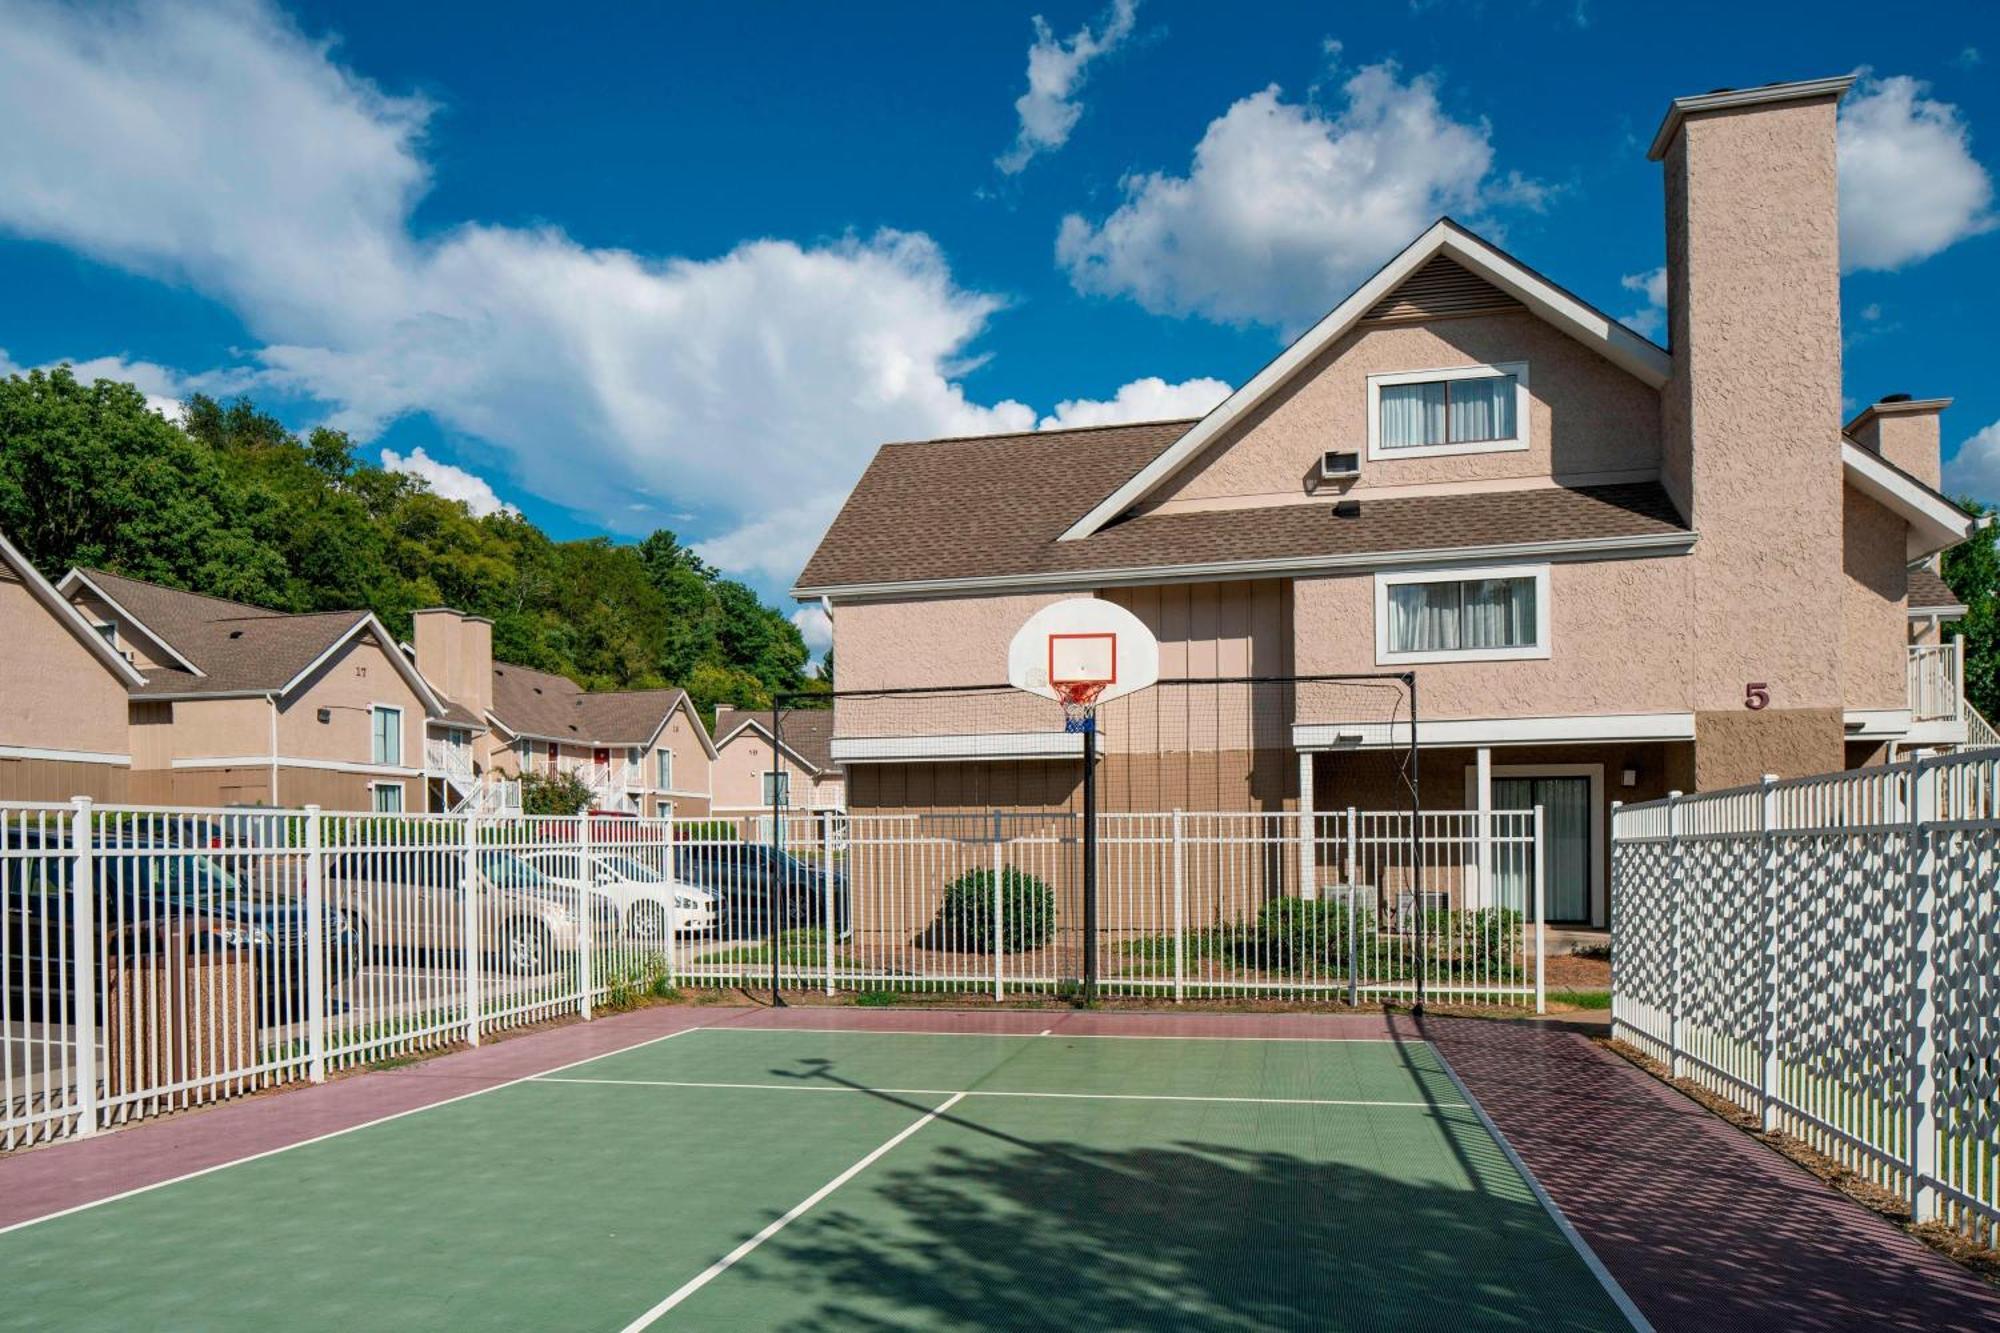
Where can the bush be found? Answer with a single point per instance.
(1298, 934)
(965, 920)
(707, 830)
(554, 794)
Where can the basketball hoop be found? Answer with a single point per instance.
(1079, 703)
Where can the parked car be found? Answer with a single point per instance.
(412, 901)
(648, 905)
(753, 882)
(153, 899)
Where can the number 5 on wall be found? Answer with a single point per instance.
(1757, 696)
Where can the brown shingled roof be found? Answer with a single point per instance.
(1928, 591)
(994, 507)
(528, 702)
(239, 648)
(808, 731)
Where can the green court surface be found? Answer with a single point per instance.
(746, 1178)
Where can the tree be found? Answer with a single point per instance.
(1972, 569)
(554, 794)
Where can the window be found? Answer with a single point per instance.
(524, 754)
(388, 732)
(777, 788)
(665, 760)
(1462, 616)
(1469, 410)
(386, 798)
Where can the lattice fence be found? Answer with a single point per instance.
(1826, 952)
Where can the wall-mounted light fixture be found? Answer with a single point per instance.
(325, 716)
(1629, 778)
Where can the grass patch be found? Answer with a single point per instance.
(877, 999)
(797, 948)
(1581, 999)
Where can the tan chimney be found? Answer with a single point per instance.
(1905, 431)
(455, 654)
(1751, 420)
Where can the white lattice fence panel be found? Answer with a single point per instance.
(1721, 962)
(1642, 935)
(1841, 1016)
(1967, 999)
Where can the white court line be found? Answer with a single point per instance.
(332, 1134)
(799, 1209)
(1001, 1092)
(1078, 1036)
(1589, 1256)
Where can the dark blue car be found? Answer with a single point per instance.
(152, 900)
(753, 882)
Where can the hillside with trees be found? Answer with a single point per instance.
(232, 503)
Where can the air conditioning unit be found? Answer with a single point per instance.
(1337, 466)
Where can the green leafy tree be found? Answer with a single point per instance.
(1972, 569)
(553, 794)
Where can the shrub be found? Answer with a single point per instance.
(707, 830)
(1295, 933)
(554, 794)
(965, 920)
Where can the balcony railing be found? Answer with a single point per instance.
(452, 762)
(1937, 682)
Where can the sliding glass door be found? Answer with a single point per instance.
(1565, 802)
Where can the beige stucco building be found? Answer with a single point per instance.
(796, 770)
(1614, 568)
(63, 689)
(242, 705)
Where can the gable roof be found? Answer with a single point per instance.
(233, 648)
(546, 706)
(67, 615)
(1935, 521)
(958, 515)
(1932, 596)
(808, 732)
(1571, 315)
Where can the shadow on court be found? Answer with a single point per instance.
(980, 1221)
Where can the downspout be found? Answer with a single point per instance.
(272, 700)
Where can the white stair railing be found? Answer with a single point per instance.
(1936, 675)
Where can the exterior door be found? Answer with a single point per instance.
(1565, 803)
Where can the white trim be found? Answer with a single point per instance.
(1577, 729)
(1081, 581)
(64, 756)
(1537, 651)
(1935, 522)
(1378, 452)
(285, 761)
(1598, 331)
(750, 720)
(1942, 732)
(1870, 723)
(402, 739)
(986, 745)
(1599, 898)
(402, 798)
(66, 590)
(1681, 108)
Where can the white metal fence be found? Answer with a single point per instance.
(157, 959)
(1825, 952)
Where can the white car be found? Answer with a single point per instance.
(646, 901)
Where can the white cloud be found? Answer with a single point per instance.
(164, 387)
(816, 627)
(1287, 206)
(1968, 58)
(1148, 399)
(1975, 469)
(219, 147)
(1909, 185)
(1056, 69)
(1650, 318)
(453, 483)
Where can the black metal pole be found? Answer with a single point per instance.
(1417, 848)
(1090, 859)
(774, 874)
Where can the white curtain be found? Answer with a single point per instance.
(1478, 613)
(1412, 415)
(1482, 409)
(1423, 617)
(1498, 613)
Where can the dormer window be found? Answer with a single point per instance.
(1463, 410)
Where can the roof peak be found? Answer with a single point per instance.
(1036, 434)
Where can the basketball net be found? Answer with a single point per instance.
(1079, 703)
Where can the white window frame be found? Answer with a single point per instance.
(766, 778)
(1539, 650)
(1522, 399)
(663, 768)
(402, 798)
(401, 740)
(1600, 899)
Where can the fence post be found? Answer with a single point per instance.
(468, 926)
(316, 933)
(586, 914)
(1767, 1079)
(83, 964)
(1353, 910)
(826, 889)
(1675, 1065)
(1541, 913)
(1180, 912)
(1922, 896)
(999, 937)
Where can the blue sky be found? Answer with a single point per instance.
(623, 267)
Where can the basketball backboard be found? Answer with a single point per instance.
(1083, 648)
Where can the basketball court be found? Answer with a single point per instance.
(743, 1176)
